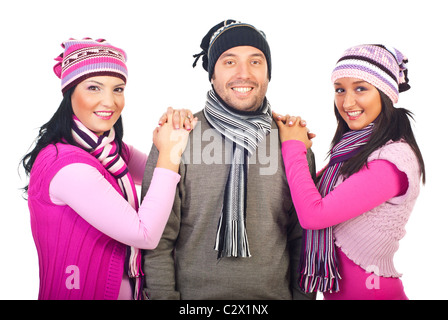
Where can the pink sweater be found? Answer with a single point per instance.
(369, 209)
(81, 223)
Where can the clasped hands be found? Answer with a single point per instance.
(171, 136)
(293, 128)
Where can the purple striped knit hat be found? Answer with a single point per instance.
(381, 66)
(87, 58)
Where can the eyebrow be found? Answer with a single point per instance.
(230, 54)
(102, 84)
(356, 82)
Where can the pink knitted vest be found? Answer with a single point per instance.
(76, 261)
(371, 239)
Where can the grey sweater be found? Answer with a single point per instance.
(185, 264)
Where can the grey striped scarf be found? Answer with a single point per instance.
(245, 131)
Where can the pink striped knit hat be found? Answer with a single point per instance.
(381, 66)
(87, 58)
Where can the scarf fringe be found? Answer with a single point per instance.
(319, 270)
(233, 244)
(135, 271)
(313, 283)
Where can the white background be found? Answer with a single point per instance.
(306, 39)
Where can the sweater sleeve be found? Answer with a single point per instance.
(359, 193)
(87, 192)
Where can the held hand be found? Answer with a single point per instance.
(291, 122)
(171, 142)
(293, 128)
(182, 118)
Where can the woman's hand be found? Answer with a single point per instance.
(182, 118)
(171, 141)
(293, 128)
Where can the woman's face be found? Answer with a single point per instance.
(358, 102)
(98, 102)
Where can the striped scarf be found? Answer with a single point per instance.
(318, 266)
(105, 149)
(245, 131)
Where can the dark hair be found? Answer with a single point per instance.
(59, 130)
(392, 124)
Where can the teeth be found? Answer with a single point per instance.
(103, 113)
(354, 113)
(242, 90)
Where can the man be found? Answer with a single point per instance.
(233, 232)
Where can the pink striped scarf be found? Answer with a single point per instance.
(318, 266)
(106, 150)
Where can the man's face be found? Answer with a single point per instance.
(241, 78)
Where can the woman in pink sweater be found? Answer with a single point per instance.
(356, 213)
(86, 220)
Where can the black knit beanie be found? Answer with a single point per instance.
(228, 34)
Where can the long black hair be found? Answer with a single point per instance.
(392, 124)
(59, 130)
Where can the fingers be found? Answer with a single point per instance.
(163, 119)
(289, 120)
(292, 120)
(279, 119)
(187, 117)
(277, 116)
(179, 118)
(284, 119)
(194, 122)
(183, 119)
(170, 114)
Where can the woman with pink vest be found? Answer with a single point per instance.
(356, 214)
(86, 220)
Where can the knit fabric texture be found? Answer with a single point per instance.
(76, 261)
(87, 58)
(383, 67)
(229, 34)
(371, 239)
